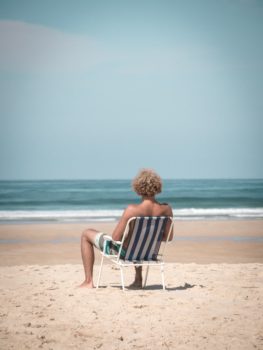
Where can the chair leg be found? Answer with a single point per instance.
(146, 276)
(162, 273)
(122, 278)
(98, 281)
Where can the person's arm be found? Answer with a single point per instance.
(119, 229)
(167, 228)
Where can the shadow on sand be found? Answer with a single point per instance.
(159, 287)
(169, 289)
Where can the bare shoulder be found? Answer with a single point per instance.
(167, 209)
(131, 211)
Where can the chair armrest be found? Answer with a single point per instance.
(109, 238)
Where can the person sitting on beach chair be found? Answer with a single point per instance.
(146, 184)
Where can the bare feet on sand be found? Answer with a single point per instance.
(137, 284)
(86, 284)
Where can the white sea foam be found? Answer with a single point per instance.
(219, 213)
(57, 215)
(112, 215)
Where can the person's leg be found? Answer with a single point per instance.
(87, 253)
(138, 278)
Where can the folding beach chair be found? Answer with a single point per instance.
(144, 237)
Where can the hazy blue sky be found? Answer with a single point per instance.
(99, 89)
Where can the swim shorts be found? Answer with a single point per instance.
(111, 248)
(99, 240)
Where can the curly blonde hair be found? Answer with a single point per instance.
(147, 183)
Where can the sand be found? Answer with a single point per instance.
(214, 297)
(195, 241)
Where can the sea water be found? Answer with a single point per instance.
(104, 200)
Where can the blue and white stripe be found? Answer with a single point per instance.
(146, 238)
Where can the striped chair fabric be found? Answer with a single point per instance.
(145, 239)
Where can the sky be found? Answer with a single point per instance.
(99, 89)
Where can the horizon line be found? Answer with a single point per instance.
(129, 179)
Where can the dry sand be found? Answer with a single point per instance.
(214, 297)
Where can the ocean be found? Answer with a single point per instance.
(104, 200)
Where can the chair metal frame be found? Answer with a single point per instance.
(116, 258)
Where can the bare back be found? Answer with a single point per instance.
(148, 207)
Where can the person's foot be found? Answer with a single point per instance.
(137, 284)
(86, 284)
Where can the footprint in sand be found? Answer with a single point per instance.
(139, 306)
(28, 324)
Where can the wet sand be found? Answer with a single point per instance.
(200, 242)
